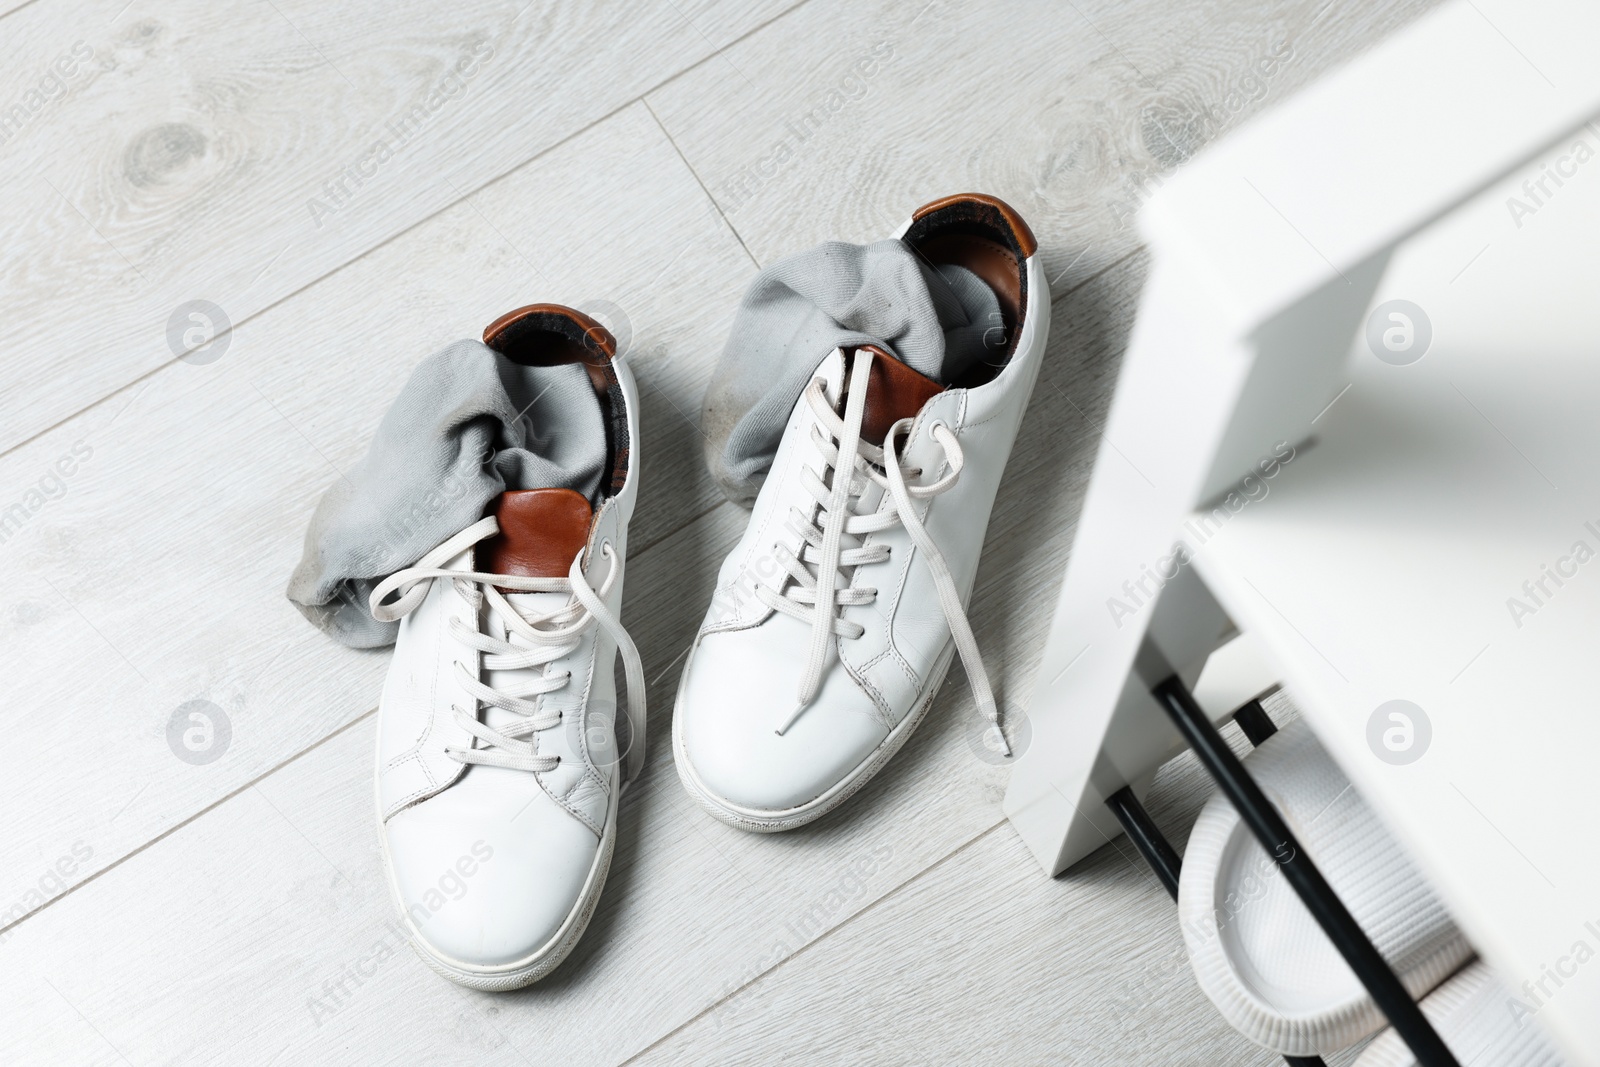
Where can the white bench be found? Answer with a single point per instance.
(1379, 561)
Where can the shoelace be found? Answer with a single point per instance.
(548, 637)
(823, 546)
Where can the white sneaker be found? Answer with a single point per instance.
(786, 706)
(499, 747)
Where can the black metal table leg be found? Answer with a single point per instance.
(1255, 722)
(1163, 860)
(1146, 837)
(1319, 898)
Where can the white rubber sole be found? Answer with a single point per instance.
(771, 822)
(537, 964)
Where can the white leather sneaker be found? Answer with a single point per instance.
(500, 751)
(789, 702)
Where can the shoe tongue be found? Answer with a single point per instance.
(541, 531)
(894, 392)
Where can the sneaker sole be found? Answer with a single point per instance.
(771, 822)
(539, 963)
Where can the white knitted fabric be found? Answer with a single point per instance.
(1256, 951)
(1473, 1014)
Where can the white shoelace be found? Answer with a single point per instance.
(547, 638)
(823, 546)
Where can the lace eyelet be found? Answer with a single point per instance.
(937, 424)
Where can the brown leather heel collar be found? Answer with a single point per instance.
(981, 204)
(505, 333)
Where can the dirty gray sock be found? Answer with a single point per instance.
(934, 319)
(468, 425)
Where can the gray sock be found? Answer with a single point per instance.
(800, 309)
(468, 425)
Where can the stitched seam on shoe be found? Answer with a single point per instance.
(893, 656)
(885, 714)
(732, 625)
(538, 776)
(892, 649)
(1000, 410)
(414, 795)
(432, 703)
(762, 536)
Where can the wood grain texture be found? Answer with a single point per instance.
(274, 946)
(236, 153)
(282, 890)
(154, 574)
(656, 946)
(228, 901)
(1072, 112)
(980, 959)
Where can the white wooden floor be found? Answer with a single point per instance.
(640, 160)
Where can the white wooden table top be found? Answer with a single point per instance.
(640, 160)
(1439, 543)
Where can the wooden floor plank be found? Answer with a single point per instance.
(980, 958)
(237, 153)
(656, 946)
(281, 890)
(837, 120)
(153, 575)
(230, 912)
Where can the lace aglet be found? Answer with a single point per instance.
(793, 715)
(995, 739)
